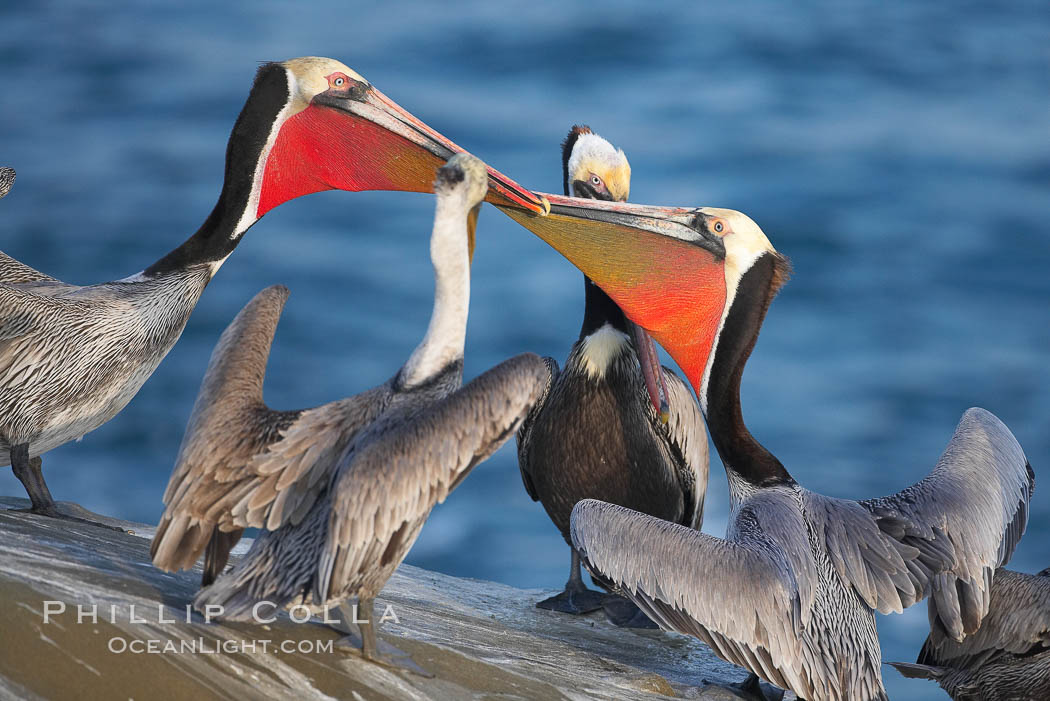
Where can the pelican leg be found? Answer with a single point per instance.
(29, 473)
(368, 643)
(576, 598)
(368, 632)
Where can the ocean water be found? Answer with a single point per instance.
(898, 153)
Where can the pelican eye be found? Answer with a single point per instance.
(338, 80)
(596, 181)
(719, 226)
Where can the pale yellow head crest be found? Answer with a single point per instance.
(309, 76)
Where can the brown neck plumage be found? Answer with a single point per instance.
(739, 450)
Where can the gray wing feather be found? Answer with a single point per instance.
(748, 597)
(687, 432)
(391, 484)
(943, 536)
(525, 432)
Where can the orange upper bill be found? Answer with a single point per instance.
(651, 261)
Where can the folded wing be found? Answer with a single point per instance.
(687, 432)
(525, 432)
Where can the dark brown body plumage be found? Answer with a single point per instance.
(589, 442)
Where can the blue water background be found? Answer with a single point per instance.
(898, 153)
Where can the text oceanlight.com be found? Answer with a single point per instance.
(263, 613)
(201, 646)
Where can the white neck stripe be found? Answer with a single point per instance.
(251, 210)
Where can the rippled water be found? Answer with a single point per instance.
(898, 155)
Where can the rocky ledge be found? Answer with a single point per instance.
(480, 640)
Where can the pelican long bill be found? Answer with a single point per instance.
(663, 266)
(329, 136)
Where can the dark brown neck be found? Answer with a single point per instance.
(599, 310)
(739, 450)
(218, 236)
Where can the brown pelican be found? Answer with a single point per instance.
(72, 357)
(615, 425)
(407, 443)
(1008, 658)
(7, 179)
(790, 593)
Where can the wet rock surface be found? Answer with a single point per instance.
(480, 640)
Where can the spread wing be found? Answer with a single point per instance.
(687, 433)
(392, 482)
(942, 537)
(242, 464)
(749, 597)
(525, 432)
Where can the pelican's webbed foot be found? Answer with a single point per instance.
(30, 473)
(749, 690)
(385, 654)
(574, 601)
(53, 512)
(576, 598)
(623, 613)
(369, 646)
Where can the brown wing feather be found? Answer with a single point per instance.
(242, 464)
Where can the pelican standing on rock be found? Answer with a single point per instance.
(1008, 658)
(425, 435)
(614, 426)
(72, 357)
(790, 593)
